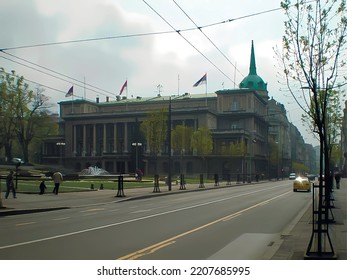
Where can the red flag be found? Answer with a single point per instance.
(70, 92)
(123, 87)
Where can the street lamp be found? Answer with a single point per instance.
(60, 145)
(136, 145)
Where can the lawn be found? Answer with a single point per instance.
(32, 185)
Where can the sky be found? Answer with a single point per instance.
(145, 61)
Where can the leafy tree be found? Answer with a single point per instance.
(238, 148)
(202, 142)
(312, 57)
(22, 111)
(181, 139)
(154, 128)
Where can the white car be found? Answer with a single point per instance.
(17, 160)
(292, 176)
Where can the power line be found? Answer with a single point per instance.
(208, 38)
(83, 84)
(138, 34)
(179, 33)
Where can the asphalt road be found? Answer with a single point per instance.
(233, 223)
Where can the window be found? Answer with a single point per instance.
(235, 106)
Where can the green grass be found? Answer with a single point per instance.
(85, 184)
(73, 186)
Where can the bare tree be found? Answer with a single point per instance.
(314, 63)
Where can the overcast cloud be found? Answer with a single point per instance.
(144, 61)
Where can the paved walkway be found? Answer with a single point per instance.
(292, 244)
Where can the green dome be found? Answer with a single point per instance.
(253, 81)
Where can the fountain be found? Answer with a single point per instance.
(93, 171)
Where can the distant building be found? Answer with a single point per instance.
(105, 134)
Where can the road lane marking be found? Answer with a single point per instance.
(92, 210)
(155, 247)
(150, 250)
(25, 224)
(141, 211)
(61, 219)
(134, 220)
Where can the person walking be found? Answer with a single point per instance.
(10, 185)
(42, 187)
(57, 179)
(337, 179)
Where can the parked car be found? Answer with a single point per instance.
(292, 176)
(301, 184)
(17, 160)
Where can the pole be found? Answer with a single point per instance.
(169, 146)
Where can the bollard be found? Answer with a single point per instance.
(201, 185)
(228, 179)
(182, 182)
(120, 192)
(216, 180)
(156, 183)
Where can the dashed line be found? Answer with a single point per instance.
(25, 224)
(61, 219)
(92, 210)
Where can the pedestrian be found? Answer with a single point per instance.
(337, 179)
(42, 187)
(57, 179)
(10, 185)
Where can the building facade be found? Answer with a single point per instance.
(107, 134)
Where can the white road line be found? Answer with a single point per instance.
(61, 219)
(24, 224)
(134, 220)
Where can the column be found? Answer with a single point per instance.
(125, 137)
(104, 150)
(84, 141)
(115, 138)
(74, 137)
(94, 141)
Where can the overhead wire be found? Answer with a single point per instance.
(208, 38)
(179, 33)
(72, 80)
(130, 36)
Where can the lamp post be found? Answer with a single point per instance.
(60, 145)
(136, 145)
(169, 146)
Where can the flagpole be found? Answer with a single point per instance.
(127, 88)
(84, 79)
(206, 91)
(72, 103)
(178, 84)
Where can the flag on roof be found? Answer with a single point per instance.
(123, 87)
(203, 80)
(70, 92)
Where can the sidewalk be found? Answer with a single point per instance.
(295, 240)
(291, 246)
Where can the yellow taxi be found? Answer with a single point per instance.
(301, 184)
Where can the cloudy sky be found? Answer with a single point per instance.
(147, 60)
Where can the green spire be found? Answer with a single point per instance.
(253, 81)
(252, 67)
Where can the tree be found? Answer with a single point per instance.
(313, 56)
(181, 139)
(313, 45)
(22, 112)
(202, 143)
(154, 128)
